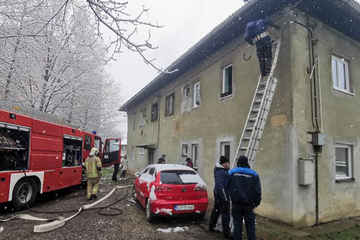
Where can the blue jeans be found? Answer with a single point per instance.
(240, 212)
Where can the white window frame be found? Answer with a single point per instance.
(133, 154)
(194, 159)
(223, 80)
(185, 94)
(349, 148)
(222, 148)
(347, 88)
(167, 105)
(143, 119)
(184, 150)
(141, 151)
(195, 104)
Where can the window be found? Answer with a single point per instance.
(141, 151)
(152, 173)
(154, 112)
(97, 143)
(196, 100)
(186, 91)
(87, 143)
(179, 177)
(112, 145)
(195, 154)
(143, 119)
(227, 82)
(169, 105)
(184, 150)
(134, 121)
(340, 74)
(343, 161)
(132, 154)
(225, 149)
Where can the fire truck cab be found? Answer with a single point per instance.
(40, 153)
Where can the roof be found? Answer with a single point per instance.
(170, 166)
(341, 15)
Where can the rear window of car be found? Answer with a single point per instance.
(180, 177)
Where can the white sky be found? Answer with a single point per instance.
(185, 23)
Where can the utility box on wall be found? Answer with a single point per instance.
(306, 171)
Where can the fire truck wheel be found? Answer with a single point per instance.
(24, 193)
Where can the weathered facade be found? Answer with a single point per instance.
(200, 111)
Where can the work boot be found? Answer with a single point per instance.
(228, 235)
(89, 199)
(94, 196)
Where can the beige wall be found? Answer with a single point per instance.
(285, 138)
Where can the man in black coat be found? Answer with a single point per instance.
(245, 193)
(221, 195)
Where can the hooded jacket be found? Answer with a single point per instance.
(255, 28)
(221, 176)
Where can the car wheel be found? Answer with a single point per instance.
(149, 215)
(134, 195)
(24, 193)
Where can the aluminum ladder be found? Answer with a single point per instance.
(256, 119)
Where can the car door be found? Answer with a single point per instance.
(112, 152)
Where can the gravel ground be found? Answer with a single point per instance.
(91, 225)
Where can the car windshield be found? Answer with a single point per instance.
(180, 177)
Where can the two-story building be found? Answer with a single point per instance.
(200, 111)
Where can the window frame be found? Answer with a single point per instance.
(167, 105)
(195, 104)
(134, 121)
(195, 159)
(222, 148)
(184, 150)
(350, 164)
(228, 93)
(184, 96)
(143, 120)
(338, 60)
(154, 117)
(87, 145)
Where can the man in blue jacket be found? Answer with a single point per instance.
(221, 195)
(255, 33)
(245, 193)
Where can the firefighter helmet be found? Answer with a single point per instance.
(94, 152)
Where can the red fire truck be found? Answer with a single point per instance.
(40, 153)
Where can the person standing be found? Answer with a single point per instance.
(162, 159)
(124, 166)
(115, 173)
(189, 163)
(255, 33)
(222, 199)
(93, 173)
(245, 193)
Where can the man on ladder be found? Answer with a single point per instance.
(255, 33)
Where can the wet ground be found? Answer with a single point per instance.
(131, 224)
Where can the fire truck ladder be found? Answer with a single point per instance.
(256, 119)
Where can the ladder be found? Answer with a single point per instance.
(256, 119)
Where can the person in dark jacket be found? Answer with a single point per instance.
(189, 162)
(245, 193)
(255, 33)
(162, 159)
(221, 195)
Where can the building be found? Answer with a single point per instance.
(200, 110)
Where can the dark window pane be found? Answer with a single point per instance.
(179, 177)
(87, 143)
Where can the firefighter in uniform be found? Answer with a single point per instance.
(93, 173)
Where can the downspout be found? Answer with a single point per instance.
(314, 110)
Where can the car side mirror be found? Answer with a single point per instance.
(137, 174)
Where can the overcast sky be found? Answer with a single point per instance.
(185, 23)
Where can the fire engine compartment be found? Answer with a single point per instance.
(72, 152)
(14, 147)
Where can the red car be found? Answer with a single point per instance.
(170, 190)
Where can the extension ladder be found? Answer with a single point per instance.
(256, 119)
